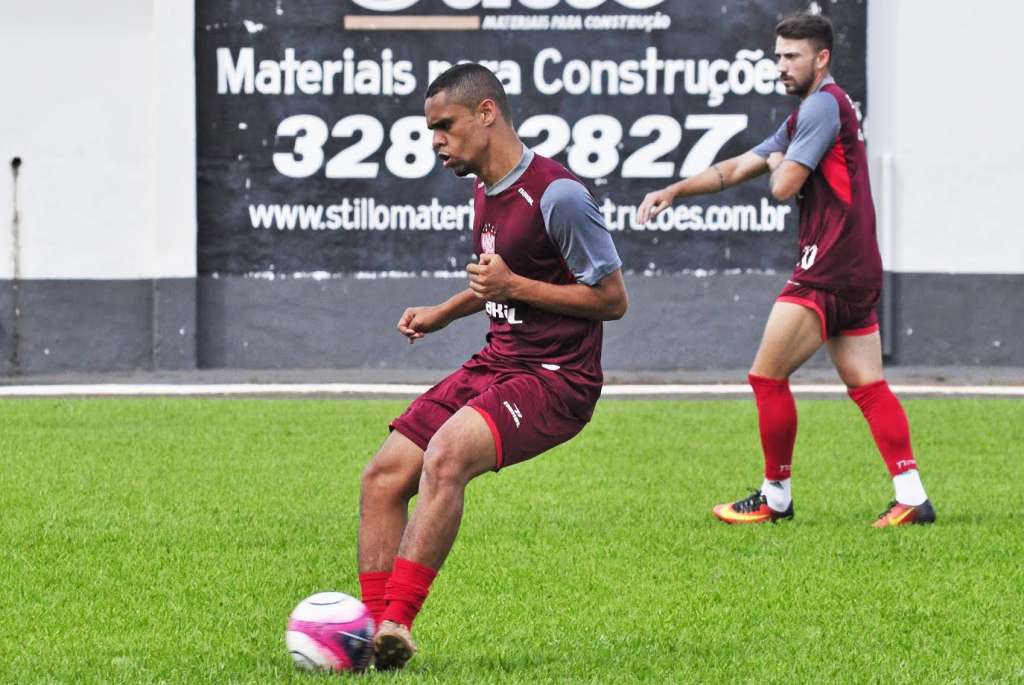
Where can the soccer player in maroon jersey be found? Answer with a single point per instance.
(817, 155)
(547, 275)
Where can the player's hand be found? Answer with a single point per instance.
(491, 279)
(653, 205)
(774, 160)
(416, 322)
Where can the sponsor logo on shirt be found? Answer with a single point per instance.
(526, 195)
(496, 310)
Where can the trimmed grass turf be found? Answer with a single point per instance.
(166, 540)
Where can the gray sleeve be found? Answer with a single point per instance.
(817, 126)
(576, 226)
(776, 142)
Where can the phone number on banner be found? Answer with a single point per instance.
(593, 144)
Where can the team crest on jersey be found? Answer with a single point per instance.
(487, 237)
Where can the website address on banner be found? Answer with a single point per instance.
(366, 214)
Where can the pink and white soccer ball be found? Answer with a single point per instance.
(330, 631)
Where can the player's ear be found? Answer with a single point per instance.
(823, 58)
(487, 110)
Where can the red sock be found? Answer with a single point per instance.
(406, 591)
(372, 585)
(776, 415)
(888, 424)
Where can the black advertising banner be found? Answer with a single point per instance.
(314, 159)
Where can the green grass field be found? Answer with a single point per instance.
(166, 540)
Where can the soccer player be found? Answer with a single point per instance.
(547, 275)
(817, 155)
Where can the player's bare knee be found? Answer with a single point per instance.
(765, 367)
(850, 380)
(854, 376)
(444, 466)
(374, 477)
(775, 373)
(383, 477)
(859, 380)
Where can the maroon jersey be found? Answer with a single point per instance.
(838, 243)
(546, 227)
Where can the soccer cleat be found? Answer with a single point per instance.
(392, 646)
(904, 514)
(753, 509)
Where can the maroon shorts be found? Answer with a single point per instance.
(841, 312)
(524, 410)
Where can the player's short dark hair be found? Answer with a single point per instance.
(816, 28)
(469, 85)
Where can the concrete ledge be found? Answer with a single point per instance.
(685, 325)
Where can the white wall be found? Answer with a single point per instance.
(945, 102)
(99, 104)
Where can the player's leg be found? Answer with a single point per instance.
(389, 481)
(392, 478)
(793, 333)
(462, 449)
(858, 359)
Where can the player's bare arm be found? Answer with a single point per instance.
(492, 280)
(714, 179)
(787, 176)
(416, 322)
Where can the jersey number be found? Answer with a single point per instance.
(807, 259)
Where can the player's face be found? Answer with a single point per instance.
(796, 59)
(458, 134)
